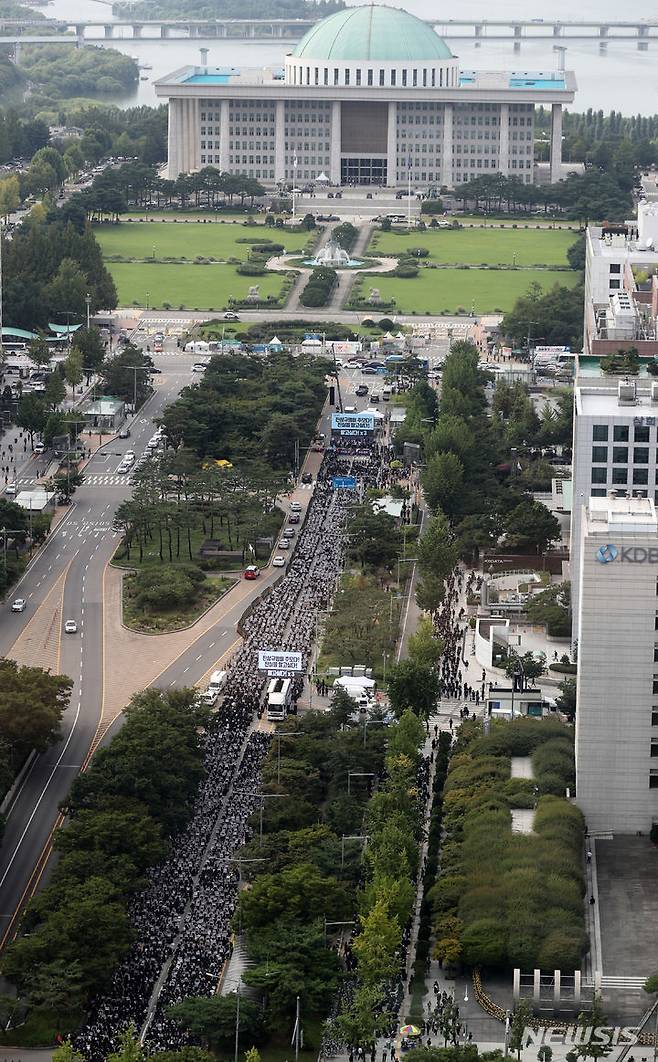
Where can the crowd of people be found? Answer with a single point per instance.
(182, 920)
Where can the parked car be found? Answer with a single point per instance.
(284, 544)
(252, 572)
(295, 507)
(307, 478)
(294, 518)
(279, 561)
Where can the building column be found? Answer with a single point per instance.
(334, 167)
(174, 134)
(446, 155)
(503, 140)
(392, 146)
(195, 128)
(188, 139)
(223, 135)
(556, 142)
(280, 140)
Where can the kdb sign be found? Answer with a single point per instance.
(627, 554)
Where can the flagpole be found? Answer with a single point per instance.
(409, 194)
(294, 186)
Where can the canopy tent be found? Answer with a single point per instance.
(322, 177)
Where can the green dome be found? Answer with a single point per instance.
(376, 33)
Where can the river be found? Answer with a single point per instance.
(623, 79)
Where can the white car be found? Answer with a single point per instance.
(39, 447)
(231, 316)
(284, 544)
(295, 507)
(209, 697)
(279, 561)
(18, 605)
(71, 627)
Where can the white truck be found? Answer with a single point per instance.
(279, 698)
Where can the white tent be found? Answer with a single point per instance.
(322, 177)
(275, 342)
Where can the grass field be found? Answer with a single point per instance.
(481, 246)
(215, 240)
(434, 290)
(196, 287)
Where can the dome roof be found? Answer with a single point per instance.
(374, 32)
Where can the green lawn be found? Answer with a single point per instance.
(434, 290)
(481, 246)
(194, 287)
(190, 240)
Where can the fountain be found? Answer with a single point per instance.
(334, 256)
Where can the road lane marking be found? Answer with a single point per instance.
(43, 793)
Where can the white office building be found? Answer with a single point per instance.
(371, 95)
(615, 448)
(617, 684)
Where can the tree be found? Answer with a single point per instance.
(214, 1018)
(126, 375)
(376, 945)
(73, 367)
(57, 986)
(32, 702)
(442, 482)
(88, 340)
(651, 984)
(66, 1053)
(530, 526)
(375, 539)
(10, 196)
(66, 292)
(55, 392)
(521, 1019)
(424, 648)
(39, 352)
(590, 1022)
(415, 686)
(531, 667)
(566, 702)
(300, 892)
(130, 1049)
(553, 608)
(290, 961)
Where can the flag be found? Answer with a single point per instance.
(294, 161)
(410, 162)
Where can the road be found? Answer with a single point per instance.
(66, 581)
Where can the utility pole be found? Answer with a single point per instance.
(297, 1031)
(88, 302)
(2, 349)
(237, 1025)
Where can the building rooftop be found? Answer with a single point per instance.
(622, 514)
(600, 397)
(373, 32)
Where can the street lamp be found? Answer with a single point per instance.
(88, 303)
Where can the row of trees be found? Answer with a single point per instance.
(591, 196)
(137, 184)
(250, 410)
(466, 480)
(122, 814)
(505, 899)
(50, 266)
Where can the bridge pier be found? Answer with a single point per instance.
(108, 31)
(137, 31)
(603, 47)
(17, 53)
(518, 31)
(603, 31)
(192, 30)
(643, 42)
(479, 30)
(517, 46)
(557, 30)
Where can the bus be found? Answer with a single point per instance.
(279, 698)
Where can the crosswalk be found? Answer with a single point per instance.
(106, 479)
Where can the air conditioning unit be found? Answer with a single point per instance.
(627, 393)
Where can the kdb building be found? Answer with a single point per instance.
(370, 96)
(617, 684)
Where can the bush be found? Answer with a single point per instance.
(251, 269)
(406, 270)
(167, 588)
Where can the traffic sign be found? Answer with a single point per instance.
(343, 482)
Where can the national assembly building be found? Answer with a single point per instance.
(370, 96)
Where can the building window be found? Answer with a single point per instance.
(597, 492)
(600, 455)
(404, 78)
(654, 718)
(381, 77)
(641, 433)
(615, 267)
(619, 455)
(620, 433)
(358, 76)
(653, 779)
(655, 686)
(326, 76)
(619, 475)
(393, 76)
(641, 476)
(615, 284)
(600, 433)
(599, 475)
(370, 77)
(347, 77)
(336, 75)
(641, 455)
(415, 79)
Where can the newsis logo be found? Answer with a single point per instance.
(574, 1036)
(627, 554)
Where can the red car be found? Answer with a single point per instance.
(252, 572)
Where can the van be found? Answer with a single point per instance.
(217, 681)
(386, 394)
